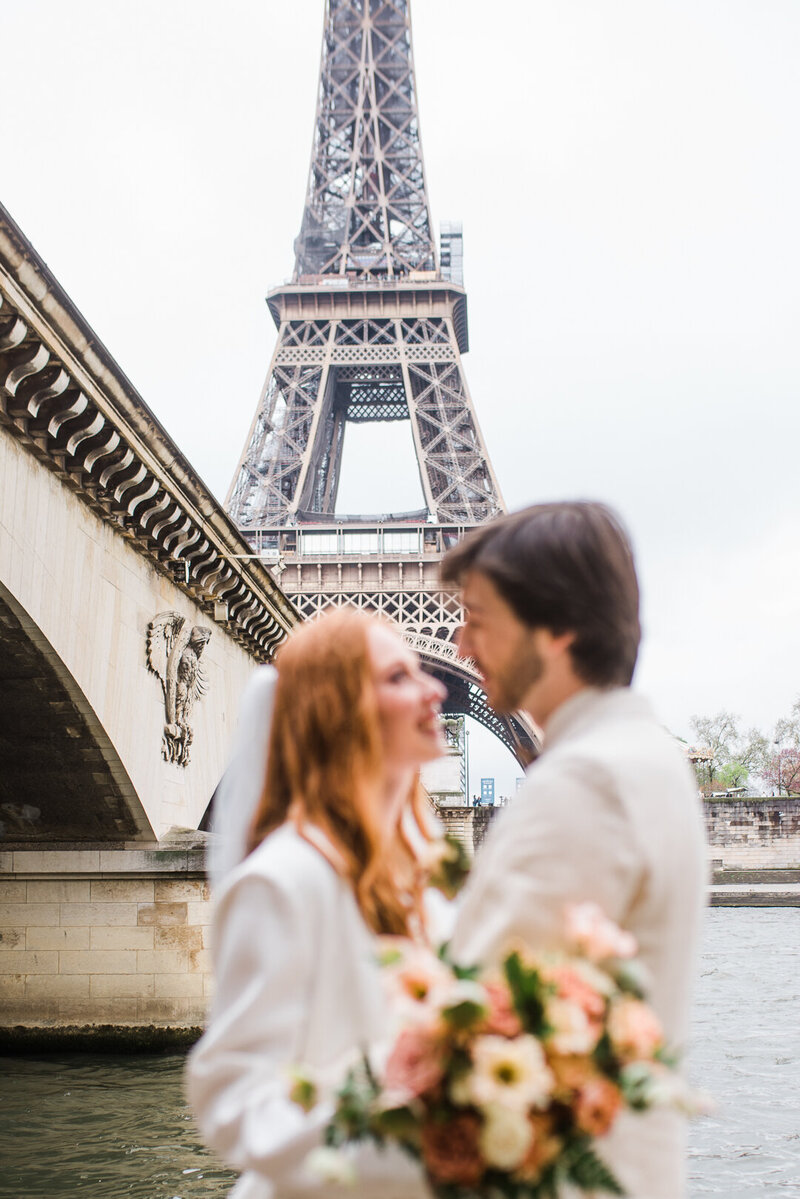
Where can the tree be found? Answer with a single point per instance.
(724, 756)
(787, 730)
(782, 767)
(782, 772)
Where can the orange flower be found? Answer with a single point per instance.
(572, 1072)
(450, 1151)
(598, 1103)
(545, 1147)
(502, 1020)
(415, 1063)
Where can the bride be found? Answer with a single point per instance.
(331, 862)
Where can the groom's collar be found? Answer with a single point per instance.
(588, 705)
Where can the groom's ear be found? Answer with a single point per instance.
(554, 645)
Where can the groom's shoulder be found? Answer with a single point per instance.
(621, 760)
(614, 726)
(615, 740)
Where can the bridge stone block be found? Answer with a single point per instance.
(57, 938)
(162, 913)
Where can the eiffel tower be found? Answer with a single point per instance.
(371, 329)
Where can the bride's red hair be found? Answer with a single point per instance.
(326, 764)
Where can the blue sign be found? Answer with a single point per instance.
(487, 791)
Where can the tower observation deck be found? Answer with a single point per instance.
(371, 328)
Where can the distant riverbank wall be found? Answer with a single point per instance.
(743, 834)
(753, 834)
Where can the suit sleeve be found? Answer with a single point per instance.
(237, 1073)
(565, 839)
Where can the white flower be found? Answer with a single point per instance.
(414, 979)
(331, 1166)
(658, 1085)
(505, 1137)
(303, 1087)
(572, 1031)
(594, 976)
(510, 1071)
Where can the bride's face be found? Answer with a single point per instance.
(409, 702)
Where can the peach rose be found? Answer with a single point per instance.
(597, 1106)
(451, 1151)
(576, 989)
(502, 1020)
(590, 931)
(634, 1029)
(415, 1063)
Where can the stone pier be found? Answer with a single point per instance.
(105, 939)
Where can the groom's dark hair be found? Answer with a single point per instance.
(567, 567)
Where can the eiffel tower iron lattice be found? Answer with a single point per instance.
(371, 329)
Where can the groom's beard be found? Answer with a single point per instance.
(510, 683)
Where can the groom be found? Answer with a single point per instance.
(608, 812)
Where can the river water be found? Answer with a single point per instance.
(109, 1127)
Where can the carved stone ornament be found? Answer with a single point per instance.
(173, 653)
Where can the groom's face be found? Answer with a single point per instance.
(504, 649)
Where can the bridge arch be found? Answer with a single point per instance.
(61, 778)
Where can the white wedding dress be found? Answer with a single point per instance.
(297, 984)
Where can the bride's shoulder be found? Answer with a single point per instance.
(287, 859)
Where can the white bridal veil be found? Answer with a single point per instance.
(235, 799)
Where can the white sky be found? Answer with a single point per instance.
(628, 179)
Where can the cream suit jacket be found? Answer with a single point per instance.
(297, 983)
(609, 813)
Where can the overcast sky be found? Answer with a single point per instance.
(629, 184)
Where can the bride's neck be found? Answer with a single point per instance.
(396, 790)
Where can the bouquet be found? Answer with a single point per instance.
(501, 1083)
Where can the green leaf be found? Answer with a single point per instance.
(604, 1056)
(629, 978)
(468, 972)
(464, 1014)
(636, 1084)
(529, 993)
(667, 1057)
(583, 1167)
(397, 1123)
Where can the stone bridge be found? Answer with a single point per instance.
(106, 536)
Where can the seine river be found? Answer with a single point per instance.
(109, 1127)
